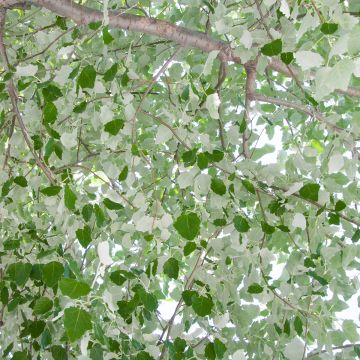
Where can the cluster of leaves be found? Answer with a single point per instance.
(156, 205)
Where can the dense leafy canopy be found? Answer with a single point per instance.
(180, 179)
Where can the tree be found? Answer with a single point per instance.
(203, 154)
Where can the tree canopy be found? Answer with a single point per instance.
(198, 156)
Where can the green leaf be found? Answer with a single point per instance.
(202, 161)
(19, 272)
(273, 48)
(248, 186)
(286, 327)
(202, 305)
(124, 173)
(94, 25)
(187, 295)
(143, 355)
(218, 186)
(171, 268)
(210, 351)
(179, 345)
(76, 322)
(220, 348)
(87, 77)
(107, 38)
(69, 198)
(189, 157)
(149, 300)
(334, 219)
(310, 192)
(50, 113)
(356, 236)
(266, 228)
(117, 277)
(112, 205)
(111, 72)
(36, 328)
(42, 305)
(241, 224)
(329, 28)
(80, 108)
(126, 308)
(99, 215)
(255, 289)
(189, 248)
(58, 352)
(339, 206)
(114, 126)
(86, 212)
(37, 142)
(51, 93)
(219, 222)
(215, 156)
(287, 57)
(319, 278)
(84, 236)
(298, 325)
(20, 355)
(21, 181)
(51, 190)
(52, 273)
(73, 288)
(188, 225)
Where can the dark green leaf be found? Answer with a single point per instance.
(112, 205)
(51, 190)
(287, 57)
(266, 228)
(58, 352)
(189, 157)
(241, 224)
(86, 212)
(50, 113)
(298, 325)
(202, 305)
(188, 225)
(37, 141)
(220, 348)
(215, 156)
(94, 25)
(80, 108)
(340, 205)
(77, 322)
(255, 289)
(36, 328)
(21, 181)
(19, 272)
(218, 186)
(107, 38)
(319, 278)
(202, 161)
(329, 28)
(117, 277)
(310, 192)
(171, 268)
(42, 305)
(356, 236)
(99, 215)
(188, 295)
(87, 77)
(52, 273)
(286, 327)
(111, 72)
(73, 288)
(51, 93)
(113, 127)
(334, 219)
(69, 198)
(273, 48)
(189, 248)
(124, 173)
(248, 186)
(219, 222)
(20, 355)
(210, 351)
(84, 236)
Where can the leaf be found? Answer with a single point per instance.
(219, 222)
(51, 93)
(52, 273)
(255, 289)
(76, 323)
(84, 236)
(87, 77)
(21, 181)
(117, 277)
(112, 205)
(50, 113)
(317, 277)
(20, 355)
(329, 28)
(99, 215)
(51, 190)
(37, 141)
(356, 236)
(149, 300)
(86, 212)
(210, 351)
(113, 127)
(273, 48)
(298, 325)
(111, 72)
(241, 224)
(218, 186)
(73, 288)
(171, 268)
(189, 157)
(287, 57)
(188, 225)
(215, 156)
(126, 308)
(340, 205)
(69, 198)
(189, 248)
(58, 352)
(107, 37)
(19, 272)
(220, 348)
(187, 295)
(36, 328)
(248, 186)
(202, 161)
(42, 305)
(202, 305)
(80, 108)
(286, 327)
(266, 228)
(310, 192)
(124, 173)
